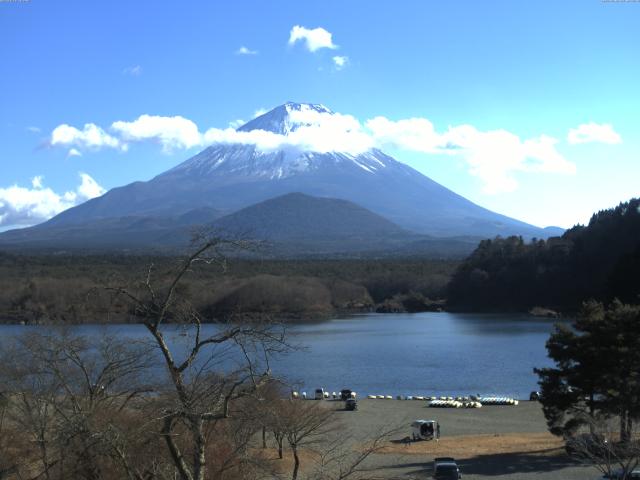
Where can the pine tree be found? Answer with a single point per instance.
(597, 370)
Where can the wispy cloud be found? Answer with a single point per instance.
(33, 129)
(36, 182)
(340, 62)
(246, 51)
(493, 156)
(317, 132)
(260, 111)
(134, 70)
(313, 39)
(238, 122)
(170, 132)
(593, 132)
(24, 206)
(74, 152)
(91, 137)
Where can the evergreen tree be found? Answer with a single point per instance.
(599, 261)
(597, 370)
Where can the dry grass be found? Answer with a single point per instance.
(308, 459)
(469, 446)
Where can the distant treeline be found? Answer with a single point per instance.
(75, 288)
(600, 261)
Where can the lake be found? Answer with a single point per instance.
(405, 354)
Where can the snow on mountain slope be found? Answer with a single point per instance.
(303, 139)
(247, 160)
(286, 118)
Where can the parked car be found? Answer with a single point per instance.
(619, 475)
(446, 468)
(535, 396)
(319, 394)
(424, 430)
(345, 394)
(351, 404)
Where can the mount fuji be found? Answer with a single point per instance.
(225, 178)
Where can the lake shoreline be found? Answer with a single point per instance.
(432, 353)
(437, 306)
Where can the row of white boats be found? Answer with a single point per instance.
(471, 401)
(453, 402)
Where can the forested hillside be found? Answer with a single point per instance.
(72, 289)
(599, 261)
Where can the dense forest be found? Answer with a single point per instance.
(599, 261)
(74, 288)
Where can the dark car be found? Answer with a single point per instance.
(345, 394)
(619, 475)
(446, 468)
(535, 396)
(351, 404)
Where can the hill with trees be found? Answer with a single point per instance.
(69, 289)
(599, 261)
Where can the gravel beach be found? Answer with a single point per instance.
(505, 442)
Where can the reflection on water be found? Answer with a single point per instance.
(408, 354)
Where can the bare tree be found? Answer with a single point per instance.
(345, 457)
(215, 366)
(602, 448)
(7, 465)
(270, 413)
(67, 395)
(305, 425)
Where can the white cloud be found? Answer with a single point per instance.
(317, 131)
(237, 123)
(36, 182)
(246, 51)
(33, 129)
(23, 206)
(340, 62)
(326, 132)
(495, 157)
(134, 71)
(73, 152)
(492, 156)
(416, 134)
(314, 39)
(263, 140)
(260, 111)
(593, 132)
(88, 188)
(171, 132)
(91, 136)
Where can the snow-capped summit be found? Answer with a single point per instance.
(305, 141)
(285, 118)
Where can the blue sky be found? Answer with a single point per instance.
(505, 81)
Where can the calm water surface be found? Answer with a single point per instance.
(406, 354)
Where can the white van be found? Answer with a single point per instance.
(424, 429)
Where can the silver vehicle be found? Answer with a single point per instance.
(424, 429)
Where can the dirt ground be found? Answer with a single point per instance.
(505, 442)
(469, 446)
